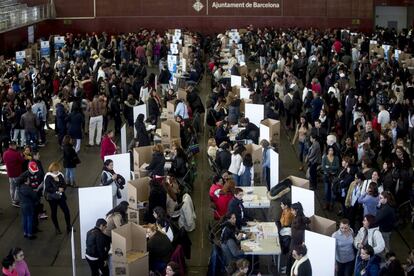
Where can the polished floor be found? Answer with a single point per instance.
(51, 255)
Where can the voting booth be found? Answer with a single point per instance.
(299, 182)
(142, 158)
(138, 192)
(170, 130)
(270, 130)
(129, 250)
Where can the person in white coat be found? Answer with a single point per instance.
(236, 160)
(370, 234)
(187, 214)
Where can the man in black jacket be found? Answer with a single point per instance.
(236, 207)
(97, 248)
(251, 131)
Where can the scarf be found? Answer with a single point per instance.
(295, 268)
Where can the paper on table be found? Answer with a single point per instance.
(269, 229)
(250, 197)
(252, 245)
(149, 127)
(248, 190)
(143, 167)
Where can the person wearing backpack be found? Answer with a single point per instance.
(39, 109)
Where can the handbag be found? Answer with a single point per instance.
(53, 196)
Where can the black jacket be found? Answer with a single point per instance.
(142, 134)
(236, 207)
(223, 160)
(305, 269)
(385, 218)
(159, 249)
(70, 158)
(156, 167)
(52, 186)
(97, 244)
(251, 132)
(195, 102)
(28, 198)
(179, 167)
(153, 108)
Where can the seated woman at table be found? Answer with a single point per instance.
(230, 240)
(156, 167)
(223, 196)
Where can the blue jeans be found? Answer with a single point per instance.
(313, 175)
(327, 188)
(31, 137)
(27, 218)
(236, 179)
(70, 174)
(303, 150)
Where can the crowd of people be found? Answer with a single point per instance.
(348, 105)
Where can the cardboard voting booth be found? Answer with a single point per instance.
(181, 94)
(129, 247)
(270, 130)
(92, 207)
(256, 152)
(171, 109)
(170, 130)
(142, 155)
(322, 225)
(321, 253)
(299, 182)
(138, 191)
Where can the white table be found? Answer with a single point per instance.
(267, 244)
(255, 197)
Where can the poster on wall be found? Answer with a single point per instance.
(20, 56)
(59, 42)
(30, 34)
(44, 49)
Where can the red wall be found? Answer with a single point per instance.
(129, 15)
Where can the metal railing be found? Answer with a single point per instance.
(14, 16)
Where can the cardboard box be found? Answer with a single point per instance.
(299, 182)
(170, 130)
(257, 155)
(274, 130)
(138, 191)
(171, 109)
(142, 155)
(322, 225)
(181, 94)
(129, 247)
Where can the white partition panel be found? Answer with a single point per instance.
(321, 253)
(255, 113)
(274, 168)
(94, 203)
(306, 198)
(122, 166)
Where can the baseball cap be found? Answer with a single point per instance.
(33, 167)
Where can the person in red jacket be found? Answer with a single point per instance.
(13, 159)
(108, 146)
(224, 197)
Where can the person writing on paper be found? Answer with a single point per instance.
(370, 234)
(97, 248)
(156, 167)
(367, 263)
(236, 207)
(108, 146)
(159, 249)
(246, 171)
(302, 265)
(116, 217)
(230, 239)
(142, 133)
(344, 255)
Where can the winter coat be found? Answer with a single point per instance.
(236, 207)
(371, 267)
(75, 121)
(108, 147)
(374, 239)
(187, 214)
(13, 160)
(60, 118)
(142, 134)
(97, 244)
(28, 199)
(70, 157)
(156, 167)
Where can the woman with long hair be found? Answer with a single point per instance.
(108, 146)
(302, 134)
(55, 194)
(369, 234)
(20, 264)
(70, 160)
(116, 217)
(109, 177)
(162, 222)
(246, 171)
(225, 195)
